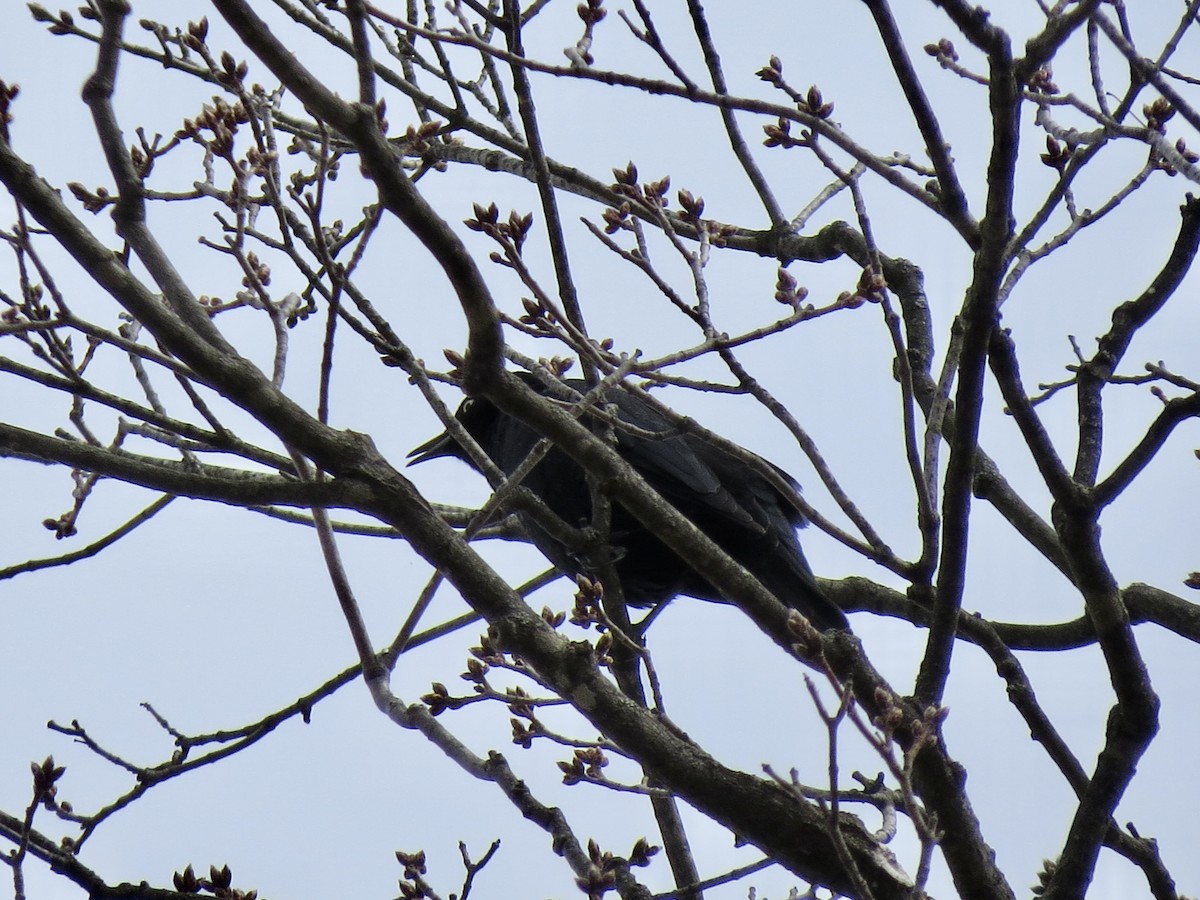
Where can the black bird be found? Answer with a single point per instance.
(734, 505)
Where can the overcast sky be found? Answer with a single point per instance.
(217, 616)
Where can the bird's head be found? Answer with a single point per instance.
(477, 415)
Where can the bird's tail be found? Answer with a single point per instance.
(789, 578)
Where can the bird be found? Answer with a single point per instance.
(735, 505)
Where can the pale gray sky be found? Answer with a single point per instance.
(216, 616)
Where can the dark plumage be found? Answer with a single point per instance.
(738, 508)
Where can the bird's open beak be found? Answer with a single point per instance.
(442, 445)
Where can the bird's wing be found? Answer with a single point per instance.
(685, 470)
